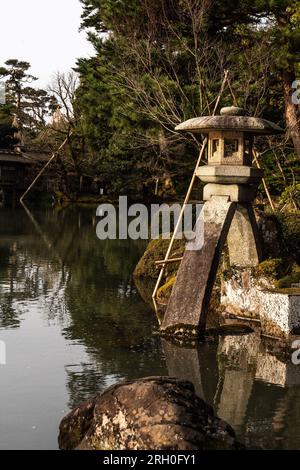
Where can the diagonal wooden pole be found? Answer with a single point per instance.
(188, 194)
(55, 154)
(255, 155)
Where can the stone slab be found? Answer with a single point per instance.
(279, 312)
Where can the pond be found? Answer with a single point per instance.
(73, 323)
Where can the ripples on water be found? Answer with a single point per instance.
(74, 323)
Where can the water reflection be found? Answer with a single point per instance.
(74, 323)
(250, 383)
(71, 317)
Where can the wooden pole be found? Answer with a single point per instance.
(231, 91)
(225, 80)
(168, 261)
(255, 155)
(43, 169)
(188, 194)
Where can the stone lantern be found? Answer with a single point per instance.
(230, 152)
(231, 186)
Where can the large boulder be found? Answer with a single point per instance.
(155, 413)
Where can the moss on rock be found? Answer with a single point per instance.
(271, 269)
(290, 224)
(292, 278)
(281, 236)
(155, 251)
(145, 289)
(164, 292)
(280, 233)
(282, 273)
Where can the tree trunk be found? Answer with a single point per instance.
(64, 173)
(74, 158)
(291, 117)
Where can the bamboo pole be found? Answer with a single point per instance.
(231, 92)
(255, 155)
(225, 80)
(188, 194)
(168, 261)
(43, 169)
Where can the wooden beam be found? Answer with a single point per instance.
(168, 261)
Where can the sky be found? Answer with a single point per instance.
(44, 33)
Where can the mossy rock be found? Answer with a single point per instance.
(157, 413)
(290, 224)
(270, 234)
(145, 288)
(292, 278)
(156, 250)
(280, 233)
(272, 269)
(281, 272)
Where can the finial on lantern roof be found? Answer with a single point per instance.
(233, 111)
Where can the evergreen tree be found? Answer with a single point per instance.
(30, 105)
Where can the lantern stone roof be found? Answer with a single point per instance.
(230, 119)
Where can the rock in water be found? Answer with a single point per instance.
(154, 413)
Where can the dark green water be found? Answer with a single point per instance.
(74, 323)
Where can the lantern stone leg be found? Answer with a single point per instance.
(243, 239)
(184, 363)
(188, 305)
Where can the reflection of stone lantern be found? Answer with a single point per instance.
(232, 184)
